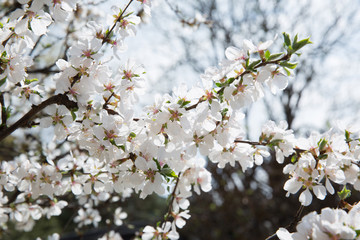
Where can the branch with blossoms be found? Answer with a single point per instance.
(25, 121)
(59, 99)
(91, 107)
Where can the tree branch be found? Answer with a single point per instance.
(60, 99)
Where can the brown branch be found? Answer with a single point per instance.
(250, 142)
(60, 99)
(105, 105)
(195, 105)
(46, 70)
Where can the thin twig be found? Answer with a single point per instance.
(296, 219)
(250, 142)
(117, 20)
(36, 44)
(273, 236)
(173, 197)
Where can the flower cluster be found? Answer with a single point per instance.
(329, 224)
(112, 152)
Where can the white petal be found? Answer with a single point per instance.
(209, 125)
(233, 53)
(305, 197)
(320, 192)
(38, 27)
(292, 185)
(329, 187)
(263, 76)
(21, 26)
(283, 234)
(99, 186)
(265, 45)
(248, 45)
(62, 64)
(45, 122)
(280, 81)
(76, 188)
(258, 159)
(180, 222)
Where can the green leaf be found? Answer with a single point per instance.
(157, 164)
(287, 40)
(288, 64)
(221, 91)
(126, 15)
(168, 172)
(295, 39)
(73, 114)
(28, 81)
(274, 56)
(322, 156)
(112, 141)
(183, 103)
(347, 136)
(344, 194)
(166, 139)
(322, 144)
(274, 143)
(3, 54)
(297, 45)
(247, 61)
(47, 45)
(132, 135)
(252, 65)
(224, 112)
(37, 93)
(8, 112)
(230, 81)
(2, 81)
(267, 55)
(287, 71)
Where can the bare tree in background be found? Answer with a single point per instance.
(236, 213)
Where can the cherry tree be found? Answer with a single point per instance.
(100, 151)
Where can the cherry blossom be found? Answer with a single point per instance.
(110, 152)
(329, 224)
